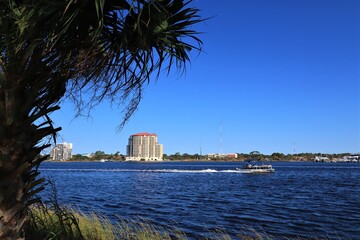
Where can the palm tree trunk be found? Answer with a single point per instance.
(12, 207)
(20, 148)
(16, 180)
(19, 182)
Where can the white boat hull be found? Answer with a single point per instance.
(249, 168)
(258, 170)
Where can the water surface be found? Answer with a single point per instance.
(299, 199)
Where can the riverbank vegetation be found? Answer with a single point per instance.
(63, 223)
(49, 220)
(52, 221)
(255, 155)
(57, 222)
(99, 155)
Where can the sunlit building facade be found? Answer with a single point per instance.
(144, 147)
(222, 156)
(61, 152)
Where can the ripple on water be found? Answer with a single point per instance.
(305, 199)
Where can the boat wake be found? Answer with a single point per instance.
(209, 170)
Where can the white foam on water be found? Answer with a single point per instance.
(182, 171)
(209, 170)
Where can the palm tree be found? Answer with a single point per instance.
(86, 51)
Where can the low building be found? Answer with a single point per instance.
(222, 156)
(321, 159)
(61, 152)
(352, 158)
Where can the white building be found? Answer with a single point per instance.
(352, 158)
(222, 155)
(144, 147)
(61, 152)
(321, 159)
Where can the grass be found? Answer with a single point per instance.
(60, 223)
(53, 222)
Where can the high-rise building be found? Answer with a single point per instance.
(61, 152)
(144, 147)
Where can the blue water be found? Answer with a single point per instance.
(299, 199)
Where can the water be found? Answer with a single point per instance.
(299, 199)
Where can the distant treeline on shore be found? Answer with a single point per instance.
(255, 155)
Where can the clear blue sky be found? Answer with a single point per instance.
(277, 75)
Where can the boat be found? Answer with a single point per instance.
(253, 168)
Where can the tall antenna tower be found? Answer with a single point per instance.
(294, 147)
(220, 138)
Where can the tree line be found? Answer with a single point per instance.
(255, 155)
(98, 155)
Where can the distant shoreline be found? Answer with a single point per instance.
(190, 160)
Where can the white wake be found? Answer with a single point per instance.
(209, 170)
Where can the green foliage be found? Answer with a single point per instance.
(99, 153)
(277, 156)
(256, 155)
(56, 222)
(79, 157)
(63, 223)
(87, 51)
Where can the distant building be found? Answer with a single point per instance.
(61, 152)
(352, 158)
(222, 156)
(144, 147)
(321, 159)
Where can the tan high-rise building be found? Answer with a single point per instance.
(144, 147)
(61, 152)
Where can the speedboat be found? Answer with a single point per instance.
(253, 168)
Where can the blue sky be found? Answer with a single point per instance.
(276, 75)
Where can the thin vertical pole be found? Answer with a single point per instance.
(220, 138)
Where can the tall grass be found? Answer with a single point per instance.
(54, 222)
(61, 223)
